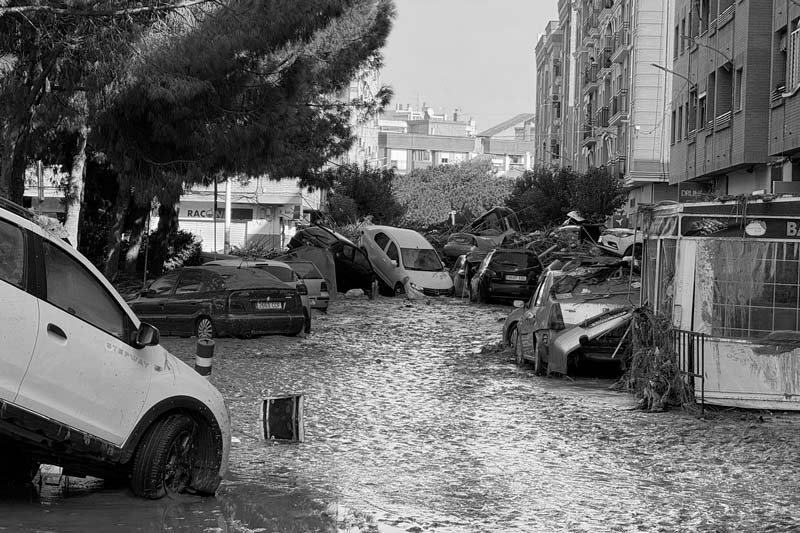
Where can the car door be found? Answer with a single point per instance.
(19, 327)
(84, 374)
(152, 306)
(183, 308)
(534, 318)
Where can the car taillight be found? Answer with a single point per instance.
(556, 320)
(494, 275)
(323, 286)
(301, 288)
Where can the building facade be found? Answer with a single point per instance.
(411, 139)
(263, 211)
(784, 101)
(613, 99)
(549, 80)
(720, 116)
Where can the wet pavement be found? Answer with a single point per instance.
(416, 420)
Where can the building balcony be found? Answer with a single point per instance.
(590, 28)
(601, 117)
(619, 108)
(588, 138)
(622, 43)
(590, 77)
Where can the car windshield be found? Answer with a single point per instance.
(306, 270)
(421, 259)
(281, 272)
(515, 259)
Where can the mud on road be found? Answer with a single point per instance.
(416, 420)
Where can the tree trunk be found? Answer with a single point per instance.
(111, 263)
(12, 166)
(138, 236)
(167, 227)
(74, 196)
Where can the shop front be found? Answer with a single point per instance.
(730, 272)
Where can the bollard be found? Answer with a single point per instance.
(205, 354)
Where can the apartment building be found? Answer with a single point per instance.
(614, 99)
(784, 101)
(722, 54)
(411, 139)
(549, 81)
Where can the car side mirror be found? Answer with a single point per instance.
(393, 262)
(147, 335)
(518, 303)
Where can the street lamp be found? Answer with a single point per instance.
(665, 69)
(697, 42)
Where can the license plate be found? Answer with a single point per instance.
(261, 306)
(516, 278)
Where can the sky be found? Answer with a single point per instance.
(474, 55)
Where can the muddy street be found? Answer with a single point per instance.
(415, 420)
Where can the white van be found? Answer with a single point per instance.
(405, 262)
(86, 386)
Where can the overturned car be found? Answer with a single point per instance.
(578, 313)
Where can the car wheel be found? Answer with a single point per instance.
(540, 366)
(516, 344)
(204, 328)
(399, 289)
(166, 458)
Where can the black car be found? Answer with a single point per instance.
(506, 275)
(353, 269)
(216, 301)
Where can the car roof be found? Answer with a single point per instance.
(317, 229)
(242, 277)
(406, 238)
(246, 263)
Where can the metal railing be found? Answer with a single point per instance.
(689, 347)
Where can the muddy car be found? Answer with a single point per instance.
(219, 301)
(353, 269)
(505, 275)
(463, 270)
(86, 385)
(574, 316)
(459, 244)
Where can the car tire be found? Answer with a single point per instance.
(516, 343)
(306, 329)
(399, 289)
(539, 366)
(166, 458)
(204, 328)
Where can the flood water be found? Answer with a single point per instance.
(415, 421)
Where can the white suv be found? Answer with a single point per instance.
(86, 386)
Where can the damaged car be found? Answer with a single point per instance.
(85, 383)
(577, 314)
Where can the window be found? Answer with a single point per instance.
(191, 281)
(398, 159)
(724, 82)
(691, 114)
(679, 128)
(381, 239)
(704, 13)
(758, 293)
(421, 155)
(701, 112)
(675, 44)
(421, 259)
(392, 253)
(779, 59)
(12, 254)
(672, 129)
(557, 109)
(71, 287)
(163, 285)
(682, 34)
(793, 57)
(738, 87)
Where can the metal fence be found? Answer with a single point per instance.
(690, 349)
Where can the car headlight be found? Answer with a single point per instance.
(416, 287)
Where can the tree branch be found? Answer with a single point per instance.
(102, 12)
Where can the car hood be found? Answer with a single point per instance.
(430, 280)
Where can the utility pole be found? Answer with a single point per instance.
(228, 216)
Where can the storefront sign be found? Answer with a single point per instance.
(758, 228)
